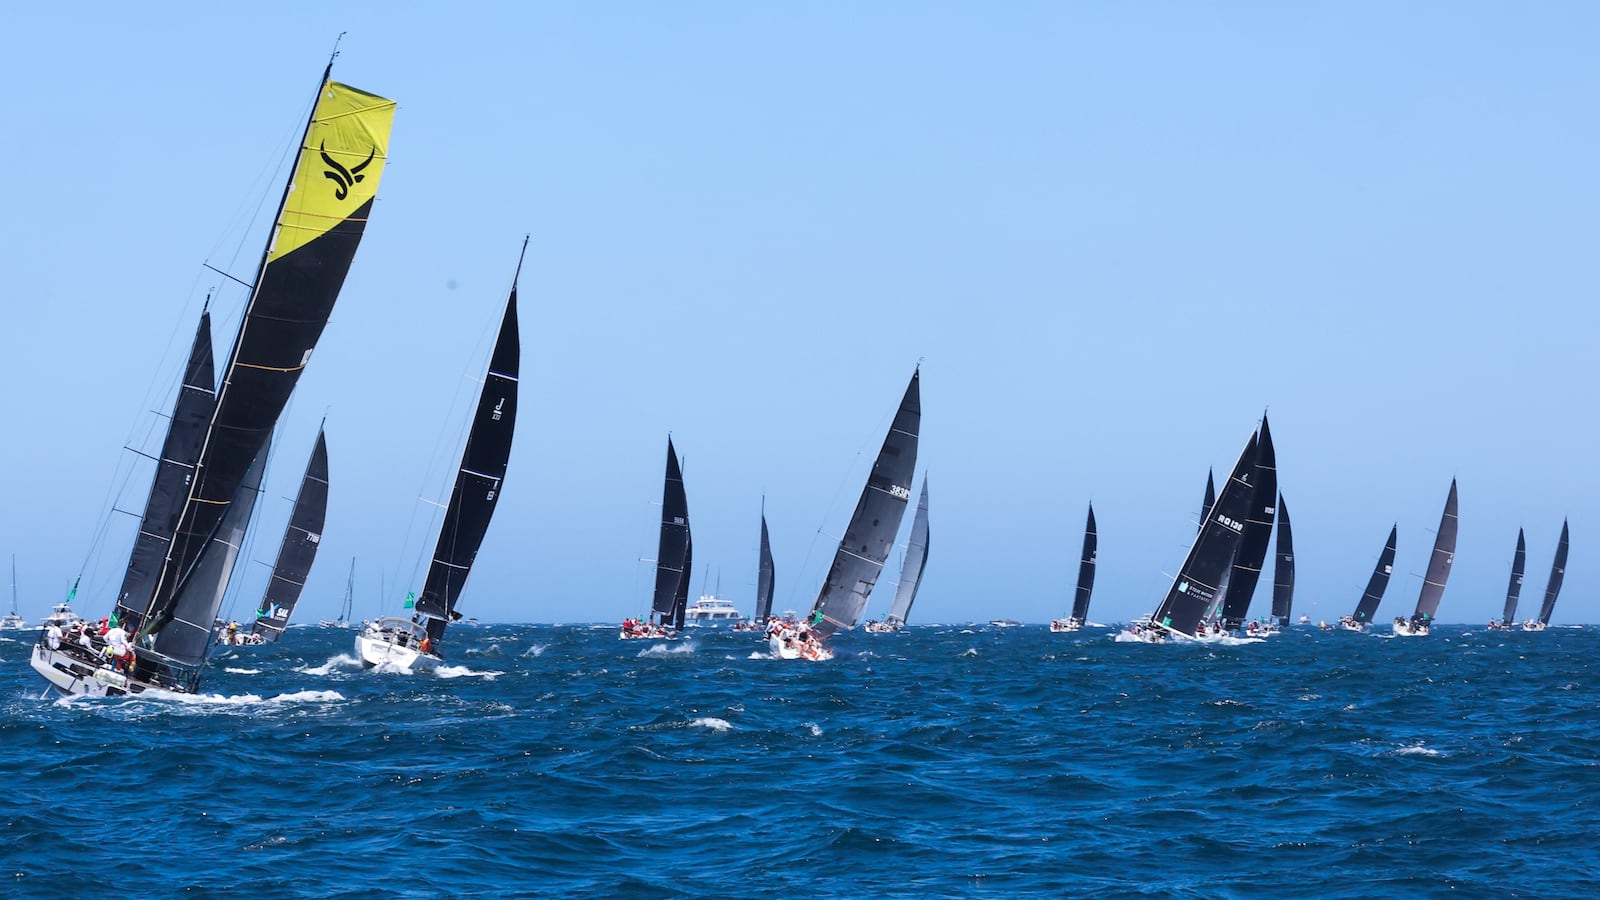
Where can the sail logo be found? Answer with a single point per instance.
(1183, 587)
(896, 490)
(1231, 524)
(498, 409)
(343, 178)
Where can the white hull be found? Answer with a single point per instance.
(76, 678)
(1532, 625)
(13, 623)
(1404, 629)
(1068, 624)
(1357, 627)
(379, 649)
(796, 649)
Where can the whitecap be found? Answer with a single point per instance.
(241, 671)
(712, 723)
(343, 660)
(665, 650)
(970, 651)
(1418, 749)
(463, 671)
(535, 650)
(816, 730)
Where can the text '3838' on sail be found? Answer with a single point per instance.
(319, 225)
(871, 532)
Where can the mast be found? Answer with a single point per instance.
(1367, 607)
(13, 584)
(1283, 574)
(765, 571)
(1509, 614)
(320, 220)
(1558, 572)
(673, 559)
(870, 534)
(1091, 544)
(479, 478)
(1209, 558)
(1251, 554)
(1444, 552)
(299, 548)
(915, 560)
(349, 594)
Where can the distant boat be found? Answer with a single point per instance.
(1558, 571)
(1196, 586)
(349, 601)
(1283, 574)
(1367, 606)
(1005, 623)
(301, 538)
(326, 203)
(912, 564)
(1080, 599)
(712, 610)
(765, 573)
(674, 560)
(867, 539)
(1508, 616)
(415, 644)
(12, 621)
(1444, 553)
(1251, 555)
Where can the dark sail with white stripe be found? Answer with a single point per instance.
(1444, 553)
(916, 559)
(299, 549)
(1091, 545)
(672, 549)
(1251, 555)
(872, 527)
(1198, 580)
(1558, 572)
(1514, 590)
(480, 478)
(1283, 574)
(1367, 607)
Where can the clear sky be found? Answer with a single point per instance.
(1114, 232)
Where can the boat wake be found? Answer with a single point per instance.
(464, 672)
(667, 651)
(342, 661)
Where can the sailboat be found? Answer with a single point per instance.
(1444, 553)
(414, 645)
(1196, 586)
(217, 442)
(674, 560)
(1251, 554)
(12, 621)
(349, 601)
(1283, 573)
(912, 564)
(1080, 601)
(1367, 606)
(866, 542)
(765, 574)
(1508, 616)
(299, 549)
(1558, 572)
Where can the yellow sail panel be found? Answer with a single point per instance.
(339, 166)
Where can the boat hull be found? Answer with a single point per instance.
(1069, 624)
(375, 650)
(1405, 629)
(797, 649)
(73, 677)
(1534, 625)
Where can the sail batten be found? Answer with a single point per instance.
(298, 551)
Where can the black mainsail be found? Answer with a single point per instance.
(1444, 553)
(1367, 607)
(480, 477)
(1558, 572)
(911, 566)
(1251, 554)
(765, 572)
(179, 450)
(672, 549)
(1210, 498)
(1283, 573)
(870, 534)
(1211, 554)
(1514, 590)
(1091, 545)
(320, 220)
(299, 549)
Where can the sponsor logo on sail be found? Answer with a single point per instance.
(344, 178)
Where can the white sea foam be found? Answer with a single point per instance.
(342, 661)
(712, 723)
(667, 650)
(241, 671)
(535, 650)
(464, 672)
(970, 651)
(1418, 749)
(815, 729)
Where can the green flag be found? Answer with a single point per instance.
(74, 592)
(112, 622)
(411, 600)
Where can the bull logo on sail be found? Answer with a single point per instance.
(342, 177)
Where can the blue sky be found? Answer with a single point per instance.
(1113, 232)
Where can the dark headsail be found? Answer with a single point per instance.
(299, 548)
(672, 550)
(1558, 571)
(680, 600)
(1514, 590)
(765, 573)
(1210, 499)
(319, 224)
(1283, 574)
(479, 479)
(872, 527)
(1196, 585)
(179, 451)
(1091, 545)
(1252, 552)
(916, 559)
(1444, 553)
(187, 638)
(1368, 605)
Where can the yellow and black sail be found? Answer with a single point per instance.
(320, 222)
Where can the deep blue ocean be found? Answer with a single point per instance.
(946, 761)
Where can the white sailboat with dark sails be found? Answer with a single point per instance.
(1558, 572)
(1251, 555)
(866, 543)
(674, 561)
(1283, 572)
(301, 538)
(912, 565)
(1444, 553)
(1367, 606)
(766, 573)
(1508, 616)
(417, 644)
(1080, 599)
(216, 444)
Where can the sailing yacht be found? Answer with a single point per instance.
(11, 621)
(912, 564)
(1367, 606)
(217, 437)
(674, 561)
(414, 644)
(1080, 601)
(1508, 616)
(349, 601)
(1558, 572)
(301, 538)
(1444, 553)
(866, 542)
